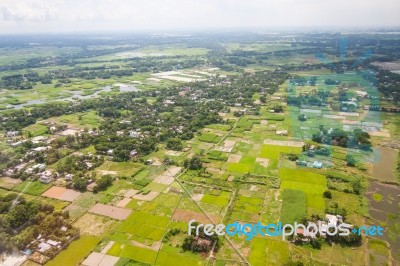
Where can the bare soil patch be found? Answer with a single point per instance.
(379, 134)
(173, 153)
(314, 111)
(122, 203)
(105, 172)
(215, 171)
(9, 183)
(284, 143)
(234, 158)
(111, 211)
(107, 247)
(205, 145)
(349, 114)
(197, 197)
(351, 122)
(253, 188)
(388, 65)
(68, 132)
(186, 216)
(61, 193)
(172, 171)
(227, 147)
(99, 259)
(130, 193)
(154, 246)
(340, 117)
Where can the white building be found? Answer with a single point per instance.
(46, 177)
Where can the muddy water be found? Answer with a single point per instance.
(386, 213)
(384, 164)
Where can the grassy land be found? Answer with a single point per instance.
(294, 206)
(312, 184)
(221, 200)
(267, 251)
(144, 227)
(35, 188)
(209, 137)
(274, 151)
(75, 252)
(118, 168)
(36, 130)
(79, 120)
(83, 203)
(172, 259)
(136, 253)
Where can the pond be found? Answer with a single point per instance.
(74, 95)
(384, 202)
(383, 167)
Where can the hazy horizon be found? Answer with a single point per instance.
(58, 16)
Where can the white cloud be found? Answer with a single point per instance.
(86, 15)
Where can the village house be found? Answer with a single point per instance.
(89, 165)
(203, 244)
(69, 177)
(40, 149)
(9, 172)
(301, 163)
(38, 139)
(362, 94)
(135, 133)
(282, 132)
(12, 133)
(46, 177)
(39, 166)
(317, 165)
(133, 153)
(126, 122)
(16, 144)
(19, 167)
(53, 129)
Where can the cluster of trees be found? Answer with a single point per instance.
(157, 122)
(74, 164)
(389, 85)
(194, 163)
(174, 144)
(315, 98)
(21, 221)
(332, 82)
(338, 137)
(301, 81)
(195, 243)
(103, 183)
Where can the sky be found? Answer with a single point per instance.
(33, 16)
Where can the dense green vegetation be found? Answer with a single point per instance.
(22, 221)
(243, 128)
